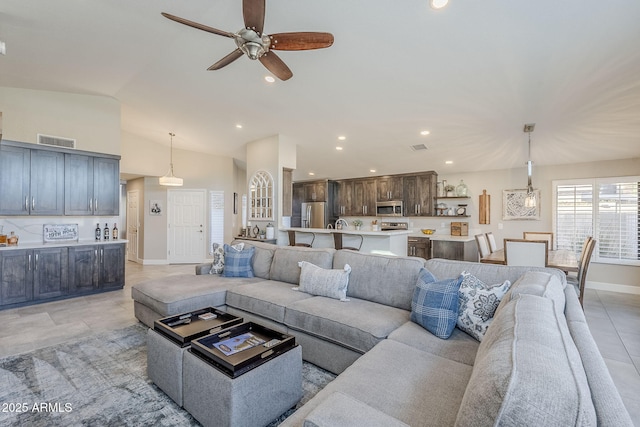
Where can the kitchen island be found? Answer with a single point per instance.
(391, 242)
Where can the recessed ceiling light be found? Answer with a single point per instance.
(239, 126)
(438, 4)
(339, 148)
(269, 79)
(311, 173)
(342, 137)
(448, 162)
(425, 133)
(372, 170)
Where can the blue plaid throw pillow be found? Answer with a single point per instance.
(435, 304)
(237, 263)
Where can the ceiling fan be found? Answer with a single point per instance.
(257, 45)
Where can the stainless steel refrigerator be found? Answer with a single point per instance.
(315, 214)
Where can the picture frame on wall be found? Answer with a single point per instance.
(514, 206)
(155, 207)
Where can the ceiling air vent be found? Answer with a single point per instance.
(418, 147)
(56, 141)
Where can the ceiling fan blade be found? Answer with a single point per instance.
(198, 26)
(253, 14)
(300, 41)
(274, 64)
(226, 60)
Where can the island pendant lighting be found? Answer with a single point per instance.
(530, 200)
(170, 180)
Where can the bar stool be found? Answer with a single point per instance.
(292, 238)
(338, 239)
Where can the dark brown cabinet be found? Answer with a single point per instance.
(344, 201)
(31, 181)
(456, 250)
(419, 247)
(315, 191)
(389, 188)
(33, 274)
(364, 197)
(419, 194)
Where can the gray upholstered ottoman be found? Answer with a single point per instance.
(252, 399)
(166, 345)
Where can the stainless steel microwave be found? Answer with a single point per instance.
(390, 208)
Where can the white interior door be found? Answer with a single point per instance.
(133, 222)
(186, 220)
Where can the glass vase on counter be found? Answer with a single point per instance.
(3, 237)
(461, 189)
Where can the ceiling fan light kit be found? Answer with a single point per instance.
(251, 41)
(170, 180)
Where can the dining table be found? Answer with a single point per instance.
(561, 259)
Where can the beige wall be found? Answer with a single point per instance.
(93, 121)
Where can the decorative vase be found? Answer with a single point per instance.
(358, 227)
(461, 189)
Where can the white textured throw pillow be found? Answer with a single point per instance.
(319, 281)
(477, 303)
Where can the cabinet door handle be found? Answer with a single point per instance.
(102, 256)
(33, 203)
(419, 209)
(29, 262)
(26, 203)
(90, 205)
(35, 265)
(95, 204)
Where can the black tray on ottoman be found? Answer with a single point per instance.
(240, 348)
(183, 328)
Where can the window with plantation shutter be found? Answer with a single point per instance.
(216, 219)
(607, 209)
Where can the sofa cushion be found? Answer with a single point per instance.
(237, 263)
(459, 347)
(286, 258)
(383, 279)
(267, 298)
(527, 371)
(435, 305)
(340, 410)
(324, 282)
(185, 292)
(413, 386)
(477, 304)
(262, 257)
(541, 284)
(358, 325)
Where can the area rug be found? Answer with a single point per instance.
(99, 381)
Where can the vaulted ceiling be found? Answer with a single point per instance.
(472, 74)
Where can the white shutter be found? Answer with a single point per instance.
(573, 216)
(618, 220)
(216, 220)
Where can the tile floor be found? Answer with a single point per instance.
(614, 320)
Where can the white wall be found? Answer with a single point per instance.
(94, 121)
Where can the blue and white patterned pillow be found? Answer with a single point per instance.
(434, 305)
(217, 266)
(477, 304)
(237, 263)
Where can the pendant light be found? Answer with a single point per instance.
(530, 200)
(170, 180)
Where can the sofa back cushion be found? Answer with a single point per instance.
(383, 279)
(286, 258)
(538, 283)
(262, 257)
(527, 371)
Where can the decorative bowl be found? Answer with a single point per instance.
(427, 230)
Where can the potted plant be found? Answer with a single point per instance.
(357, 224)
(449, 190)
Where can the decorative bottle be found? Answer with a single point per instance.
(98, 232)
(114, 232)
(461, 189)
(106, 231)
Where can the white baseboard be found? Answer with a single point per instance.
(155, 262)
(613, 287)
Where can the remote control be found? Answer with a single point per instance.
(179, 322)
(271, 343)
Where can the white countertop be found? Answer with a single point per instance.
(38, 245)
(349, 230)
(446, 237)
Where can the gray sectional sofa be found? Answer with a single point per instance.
(537, 364)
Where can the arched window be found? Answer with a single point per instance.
(261, 196)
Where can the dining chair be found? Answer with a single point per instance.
(531, 253)
(492, 241)
(539, 235)
(483, 245)
(580, 280)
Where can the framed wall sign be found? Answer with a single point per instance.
(155, 207)
(514, 206)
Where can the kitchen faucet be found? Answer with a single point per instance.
(329, 226)
(339, 223)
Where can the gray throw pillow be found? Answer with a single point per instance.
(323, 282)
(477, 303)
